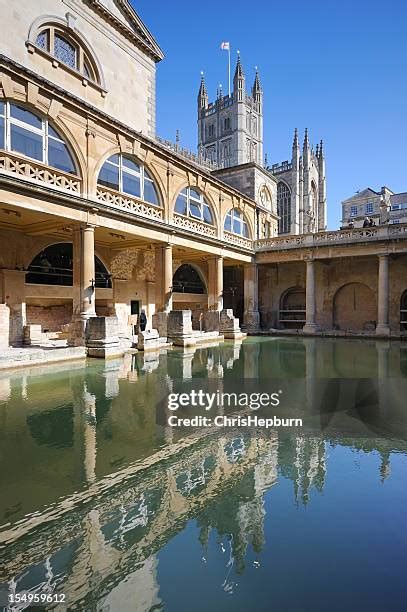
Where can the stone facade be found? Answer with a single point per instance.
(382, 206)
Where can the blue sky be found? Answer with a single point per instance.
(338, 68)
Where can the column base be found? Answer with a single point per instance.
(310, 328)
(382, 330)
(251, 321)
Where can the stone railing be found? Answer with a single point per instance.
(127, 203)
(237, 240)
(194, 225)
(186, 154)
(346, 236)
(33, 171)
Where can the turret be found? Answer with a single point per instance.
(239, 82)
(202, 95)
(257, 93)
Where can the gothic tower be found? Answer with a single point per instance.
(230, 130)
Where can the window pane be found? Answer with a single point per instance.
(26, 142)
(1, 132)
(17, 112)
(150, 194)
(207, 215)
(228, 223)
(181, 205)
(245, 230)
(42, 40)
(128, 163)
(53, 133)
(2, 105)
(114, 159)
(237, 226)
(131, 184)
(109, 176)
(64, 51)
(195, 194)
(59, 156)
(195, 210)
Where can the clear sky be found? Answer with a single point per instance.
(336, 67)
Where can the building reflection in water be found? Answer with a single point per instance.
(97, 535)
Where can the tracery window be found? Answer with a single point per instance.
(29, 134)
(125, 174)
(65, 48)
(284, 208)
(235, 223)
(192, 203)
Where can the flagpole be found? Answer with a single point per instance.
(229, 68)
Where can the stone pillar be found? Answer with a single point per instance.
(13, 289)
(310, 326)
(163, 284)
(251, 316)
(84, 272)
(383, 327)
(88, 272)
(150, 302)
(215, 282)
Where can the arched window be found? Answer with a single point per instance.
(29, 134)
(192, 203)
(54, 266)
(57, 41)
(235, 223)
(265, 197)
(284, 208)
(126, 175)
(187, 280)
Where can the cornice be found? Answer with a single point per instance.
(141, 36)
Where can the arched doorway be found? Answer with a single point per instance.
(54, 266)
(292, 308)
(354, 308)
(403, 311)
(188, 280)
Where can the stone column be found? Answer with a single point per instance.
(83, 272)
(310, 326)
(163, 284)
(383, 327)
(150, 302)
(215, 278)
(251, 316)
(13, 289)
(88, 272)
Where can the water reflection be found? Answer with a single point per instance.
(101, 486)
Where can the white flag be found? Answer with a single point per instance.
(225, 46)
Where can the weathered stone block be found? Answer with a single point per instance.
(102, 337)
(179, 323)
(148, 340)
(4, 326)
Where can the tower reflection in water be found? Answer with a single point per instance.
(100, 485)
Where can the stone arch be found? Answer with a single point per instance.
(354, 308)
(118, 151)
(265, 196)
(189, 276)
(43, 21)
(245, 218)
(292, 308)
(41, 110)
(53, 265)
(206, 195)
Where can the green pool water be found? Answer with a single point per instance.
(102, 502)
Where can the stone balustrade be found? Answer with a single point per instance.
(127, 203)
(332, 238)
(31, 170)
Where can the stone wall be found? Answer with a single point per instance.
(51, 318)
